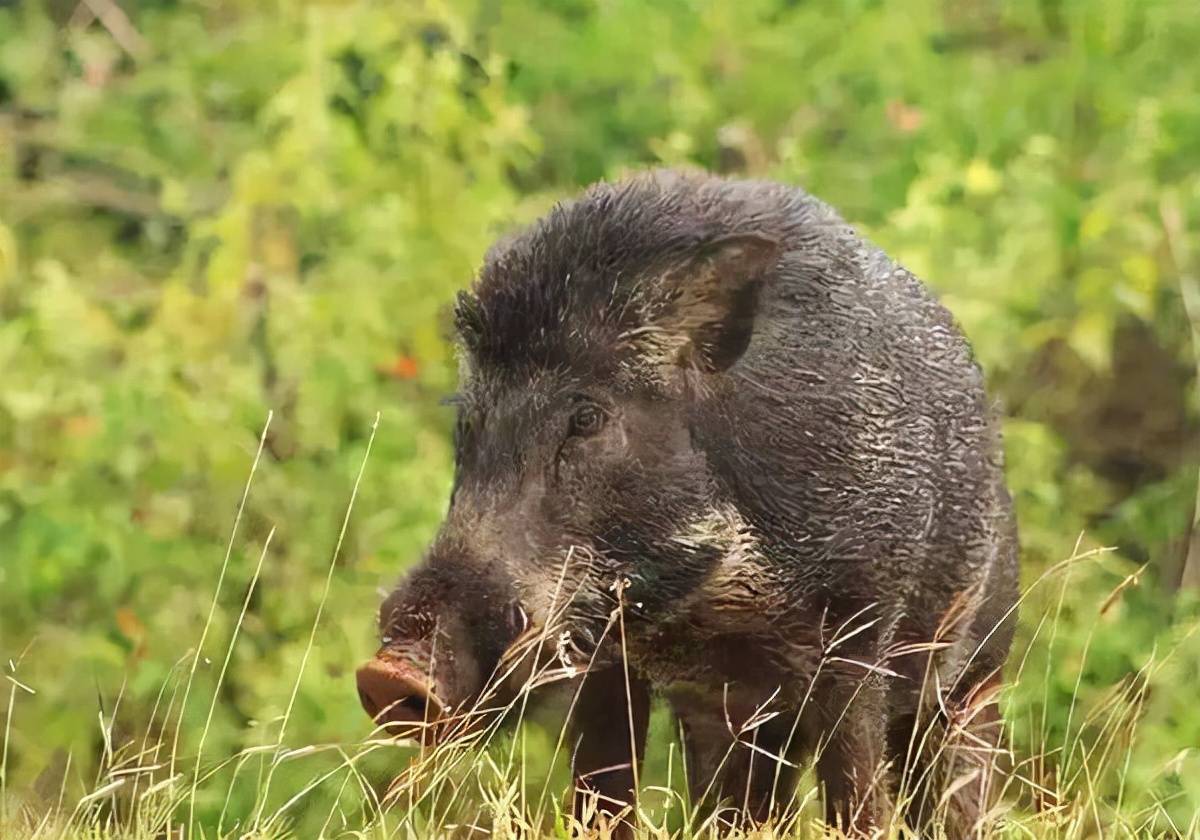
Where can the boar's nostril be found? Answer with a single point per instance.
(396, 695)
(413, 705)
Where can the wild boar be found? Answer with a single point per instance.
(712, 445)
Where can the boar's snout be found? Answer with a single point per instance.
(444, 632)
(397, 696)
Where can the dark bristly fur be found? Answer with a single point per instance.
(716, 392)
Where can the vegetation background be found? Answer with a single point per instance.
(215, 209)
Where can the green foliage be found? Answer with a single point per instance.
(237, 208)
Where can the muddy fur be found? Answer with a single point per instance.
(794, 493)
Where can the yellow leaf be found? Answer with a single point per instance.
(1095, 224)
(8, 254)
(1140, 281)
(980, 178)
(173, 196)
(1091, 338)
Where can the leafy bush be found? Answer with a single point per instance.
(215, 211)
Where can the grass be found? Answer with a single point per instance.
(491, 781)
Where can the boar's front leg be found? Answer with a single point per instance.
(850, 760)
(606, 754)
(749, 776)
(951, 765)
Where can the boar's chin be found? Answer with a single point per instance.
(543, 660)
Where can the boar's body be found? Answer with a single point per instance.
(855, 465)
(796, 473)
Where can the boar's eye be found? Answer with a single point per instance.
(516, 618)
(587, 420)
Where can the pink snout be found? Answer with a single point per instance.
(397, 696)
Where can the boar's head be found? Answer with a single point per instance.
(591, 345)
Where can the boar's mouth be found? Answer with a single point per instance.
(399, 698)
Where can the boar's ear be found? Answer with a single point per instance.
(713, 300)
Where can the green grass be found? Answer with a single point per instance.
(497, 782)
